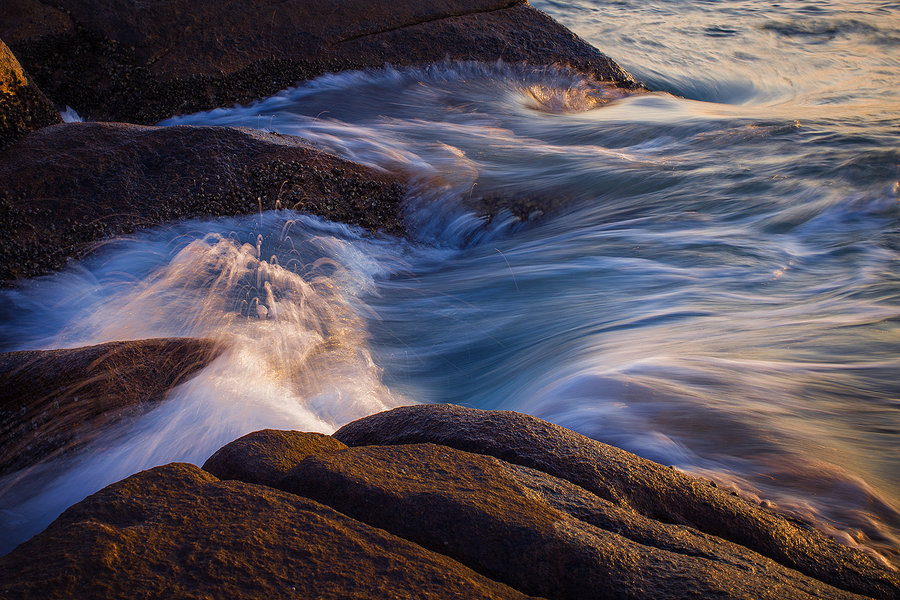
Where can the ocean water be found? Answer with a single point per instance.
(707, 275)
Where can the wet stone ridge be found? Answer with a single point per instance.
(55, 402)
(70, 186)
(285, 513)
(142, 62)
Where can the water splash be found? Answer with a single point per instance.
(278, 292)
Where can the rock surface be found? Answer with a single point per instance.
(630, 482)
(476, 510)
(265, 457)
(178, 532)
(142, 62)
(23, 107)
(53, 402)
(69, 186)
(415, 520)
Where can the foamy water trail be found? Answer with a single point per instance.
(432, 125)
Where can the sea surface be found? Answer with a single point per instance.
(707, 275)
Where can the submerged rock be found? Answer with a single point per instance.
(139, 62)
(178, 532)
(70, 186)
(53, 402)
(23, 107)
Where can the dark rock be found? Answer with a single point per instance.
(630, 482)
(515, 33)
(70, 186)
(140, 62)
(265, 457)
(23, 107)
(53, 402)
(513, 526)
(178, 532)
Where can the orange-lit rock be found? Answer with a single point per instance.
(178, 532)
(423, 520)
(629, 482)
(266, 456)
(23, 107)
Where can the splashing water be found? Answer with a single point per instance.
(712, 282)
(275, 291)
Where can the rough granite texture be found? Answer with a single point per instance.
(478, 510)
(23, 107)
(53, 402)
(472, 525)
(70, 186)
(142, 62)
(178, 532)
(630, 482)
(266, 456)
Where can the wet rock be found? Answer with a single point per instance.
(140, 62)
(53, 402)
(414, 520)
(68, 187)
(629, 482)
(517, 526)
(265, 457)
(178, 532)
(23, 107)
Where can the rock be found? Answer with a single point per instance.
(23, 107)
(629, 482)
(406, 520)
(264, 457)
(483, 513)
(139, 62)
(53, 402)
(514, 33)
(70, 186)
(178, 532)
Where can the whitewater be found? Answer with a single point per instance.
(707, 274)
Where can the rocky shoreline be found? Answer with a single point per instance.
(119, 63)
(431, 501)
(116, 61)
(72, 186)
(423, 501)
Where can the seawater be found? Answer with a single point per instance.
(708, 274)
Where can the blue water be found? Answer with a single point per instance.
(708, 275)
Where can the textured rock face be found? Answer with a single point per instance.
(142, 62)
(628, 481)
(266, 456)
(178, 532)
(70, 186)
(485, 514)
(55, 401)
(419, 520)
(23, 107)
